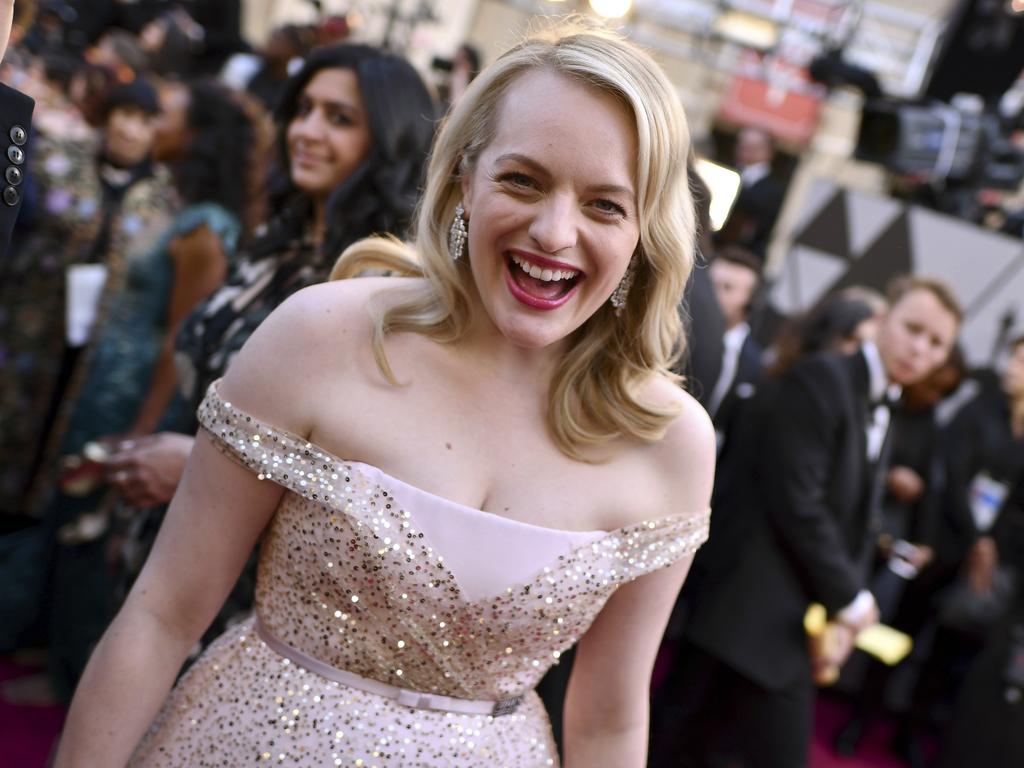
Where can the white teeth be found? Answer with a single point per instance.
(540, 273)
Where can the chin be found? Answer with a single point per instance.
(531, 338)
(531, 332)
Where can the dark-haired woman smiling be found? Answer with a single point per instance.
(355, 126)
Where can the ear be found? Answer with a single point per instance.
(466, 184)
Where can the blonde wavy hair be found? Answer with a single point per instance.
(595, 394)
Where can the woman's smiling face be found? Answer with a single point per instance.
(330, 134)
(552, 208)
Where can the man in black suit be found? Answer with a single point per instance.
(796, 528)
(15, 121)
(759, 202)
(735, 275)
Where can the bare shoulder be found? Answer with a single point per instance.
(685, 457)
(298, 353)
(337, 305)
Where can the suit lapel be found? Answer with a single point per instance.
(860, 404)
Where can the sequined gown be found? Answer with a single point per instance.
(364, 573)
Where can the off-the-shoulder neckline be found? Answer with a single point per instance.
(372, 469)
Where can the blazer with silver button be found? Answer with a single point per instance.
(15, 122)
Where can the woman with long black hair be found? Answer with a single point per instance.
(355, 126)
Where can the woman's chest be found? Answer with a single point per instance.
(494, 455)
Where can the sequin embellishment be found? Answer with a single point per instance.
(346, 577)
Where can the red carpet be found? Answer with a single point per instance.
(27, 733)
(874, 751)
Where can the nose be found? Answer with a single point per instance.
(308, 126)
(921, 344)
(554, 227)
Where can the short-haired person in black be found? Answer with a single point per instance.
(796, 531)
(15, 123)
(736, 276)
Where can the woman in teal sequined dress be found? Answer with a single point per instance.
(209, 137)
(370, 117)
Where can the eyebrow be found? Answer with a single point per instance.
(529, 161)
(344, 106)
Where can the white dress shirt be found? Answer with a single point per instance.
(732, 343)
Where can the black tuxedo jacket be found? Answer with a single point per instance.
(793, 526)
(15, 123)
(705, 326)
(753, 215)
(744, 384)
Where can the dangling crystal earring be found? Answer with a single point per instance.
(621, 291)
(457, 234)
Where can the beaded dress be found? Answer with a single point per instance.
(451, 607)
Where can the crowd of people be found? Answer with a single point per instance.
(303, 517)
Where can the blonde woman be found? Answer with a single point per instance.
(457, 474)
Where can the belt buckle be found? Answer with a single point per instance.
(506, 706)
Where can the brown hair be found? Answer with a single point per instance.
(901, 286)
(740, 256)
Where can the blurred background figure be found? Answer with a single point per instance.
(757, 207)
(840, 322)
(354, 128)
(736, 276)
(903, 579)
(453, 75)
(97, 198)
(160, 254)
(285, 46)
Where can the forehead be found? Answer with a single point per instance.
(728, 270)
(129, 112)
(567, 125)
(333, 84)
(924, 307)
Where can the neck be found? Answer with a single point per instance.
(319, 228)
(1017, 416)
(522, 368)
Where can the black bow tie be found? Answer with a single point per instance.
(887, 400)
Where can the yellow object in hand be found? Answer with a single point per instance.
(888, 645)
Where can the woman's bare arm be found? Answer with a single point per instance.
(200, 266)
(214, 521)
(607, 704)
(210, 529)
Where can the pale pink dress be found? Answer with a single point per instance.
(363, 573)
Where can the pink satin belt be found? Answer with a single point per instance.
(403, 696)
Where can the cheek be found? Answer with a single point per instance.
(289, 139)
(350, 146)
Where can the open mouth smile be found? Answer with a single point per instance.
(540, 283)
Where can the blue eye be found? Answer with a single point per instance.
(608, 206)
(517, 179)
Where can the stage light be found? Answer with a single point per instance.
(611, 9)
(724, 185)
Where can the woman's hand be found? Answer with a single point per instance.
(146, 472)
